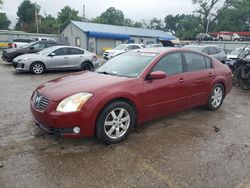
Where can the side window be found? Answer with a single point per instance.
(170, 64)
(209, 62)
(218, 50)
(194, 61)
(61, 51)
(39, 45)
(135, 47)
(49, 44)
(212, 50)
(74, 51)
(130, 47)
(205, 50)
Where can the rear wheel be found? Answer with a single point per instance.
(115, 122)
(216, 97)
(37, 68)
(86, 66)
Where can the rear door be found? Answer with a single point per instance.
(60, 60)
(166, 95)
(76, 57)
(198, 77)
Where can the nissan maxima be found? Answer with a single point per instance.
(56, 58)
(128, 90)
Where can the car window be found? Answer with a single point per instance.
(74, 51)
(61, 51)
(39, 45)
(49, 44)
(130, 47)
(209, 62)
(170, 64)
(205, 50)
(135, 47)
(212, 50)
(194, 61)
(218, 50)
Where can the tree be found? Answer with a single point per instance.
(156, 24)
(4, 22)
(26, 16)
(171, 23)
(211, 10)
(138, 25)
(68, 13)
(49, 25)
(111, 16)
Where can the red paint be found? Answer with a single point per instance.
(152, 98)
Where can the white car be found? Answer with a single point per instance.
(108, 54)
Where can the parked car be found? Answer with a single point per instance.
(154, 45)
(44, 39)
(108, 54)
(213, 50)
(33, 47)
(17, 43)
(129, 89)
(56, 58)
(204, 37)
(228, 36)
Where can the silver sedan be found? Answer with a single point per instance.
(56, 58)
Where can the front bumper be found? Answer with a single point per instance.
(62, 124)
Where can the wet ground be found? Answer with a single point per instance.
(194, 148)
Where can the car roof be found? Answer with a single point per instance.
(156, 50)
(200, 46)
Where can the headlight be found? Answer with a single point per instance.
(74, 102)
(27, 59)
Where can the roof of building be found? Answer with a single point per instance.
(94, 28)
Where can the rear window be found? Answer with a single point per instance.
(212, 50)
(218, 50)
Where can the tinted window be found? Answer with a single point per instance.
(218, 50)
(205, 50)
(74, 51)
(130, 47)
(170, 64)
(212, 50)
(209, 62)
(61, 51)
(50, 44)
(39, 45)
(135, 47)
(195, 61)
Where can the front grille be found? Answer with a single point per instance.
(40, 102)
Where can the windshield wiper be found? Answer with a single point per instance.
(107, 73)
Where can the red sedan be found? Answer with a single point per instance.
(127, 90)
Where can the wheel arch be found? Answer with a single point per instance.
(87, 61)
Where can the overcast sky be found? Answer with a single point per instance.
(133, 9)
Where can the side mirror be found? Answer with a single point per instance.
(32, 48)
(52, 54)
(156, 75)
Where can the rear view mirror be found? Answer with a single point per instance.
(157, 75)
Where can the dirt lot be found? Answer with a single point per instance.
(195, 148)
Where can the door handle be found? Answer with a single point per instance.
(210, 74)
(181, 80)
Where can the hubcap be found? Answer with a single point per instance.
(37, 69)
(217, 97)
(117, 123)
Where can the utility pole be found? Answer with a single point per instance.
(83, 13)
(36, 17)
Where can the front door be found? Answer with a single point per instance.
(165, 96)
(60, 60)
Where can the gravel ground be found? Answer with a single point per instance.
(194, 148)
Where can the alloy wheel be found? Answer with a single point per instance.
(217, 97)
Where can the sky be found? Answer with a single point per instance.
(133, 9)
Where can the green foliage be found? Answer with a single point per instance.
(4, 22)
(68, 13)
(111, 16)
(26, 16)
(156, 24)
(49, 25)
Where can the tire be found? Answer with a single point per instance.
(216, 97)
(115, 122)
(37, 68)
(86, 66)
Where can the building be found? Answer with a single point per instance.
(98, 37)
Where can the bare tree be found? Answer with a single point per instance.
(211, 10)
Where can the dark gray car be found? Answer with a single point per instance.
(212, 50)
(56, 58)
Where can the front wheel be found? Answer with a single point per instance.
(216, 97)
(86, 66)
(115, 122)
(37, 68)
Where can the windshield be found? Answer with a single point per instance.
(28, 45)
(47, 50)
(235, 52)
(120, 47)
(129, 64)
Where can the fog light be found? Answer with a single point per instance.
(76, 130)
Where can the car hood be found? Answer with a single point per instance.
(60, 88)
(18, 58)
